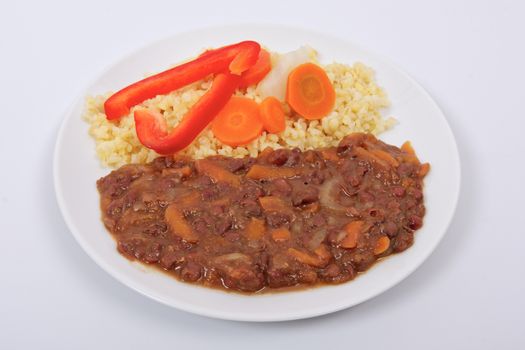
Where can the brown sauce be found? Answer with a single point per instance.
(284, 219)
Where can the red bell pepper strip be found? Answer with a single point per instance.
(151, 126)
(255, 73)
(235, 59)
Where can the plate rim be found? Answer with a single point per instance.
(112, 271)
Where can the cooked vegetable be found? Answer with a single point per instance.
(369, 156)
(183, 172)
(238, 122)
(188, 200)
(272, 203)
(274, 84)
(266, 233)
(352, 232)
(255, 229)
(382, 245)
(312, 207)
(258, 71)
(330, 154)
(323, 253)
(234, 59)
(272, 115)
(383, 155)
(216, 173)
(410, 154)
(407, 147)
(424, 169)
(309, 91)
(263, 172)
(320, 259)
(178, 225)
(280, 234)
(152, 129)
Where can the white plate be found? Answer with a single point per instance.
(76, 169)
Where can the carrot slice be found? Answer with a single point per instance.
(369, 156)
(238, 122)
(216, 173)
(323, 253)
(178, 225)
(382, 245)
(272, 203)
(312, 207)
(309, 91)
(281, 234)
(353, 231)
(407, 147)
(320, 259)
(385, 156)
(423, 170)
(189, 200)
(258, 71)
(185, 171)
(262, 172)
(272, 115)
(330, 154)
(255, 229)
(410, 155)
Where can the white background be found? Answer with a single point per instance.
(470, 293)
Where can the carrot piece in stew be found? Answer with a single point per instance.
(382, 245)
(216, 173)
(423, 170)
(189, 200)
(367, 155)
(330, 154)
(183, 172)
(323, 253)
(385, 156)
(271, 203)
(407, 147)
(305, 258)
(318, 260)
(353, 231)
(281, 234)
(410, 154)
(255, 229)
(178, 225)
(262, 172)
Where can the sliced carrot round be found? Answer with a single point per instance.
(309, 91)
(238, 122)
(382, 245)
(272, 115)
(258, 71)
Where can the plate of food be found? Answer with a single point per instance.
(256, 173)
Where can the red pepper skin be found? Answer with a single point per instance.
(151, 126)
(235, 58)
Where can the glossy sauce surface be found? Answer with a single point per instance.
(286, 218)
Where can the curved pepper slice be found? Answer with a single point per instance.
(152, 129)
(235, 59)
